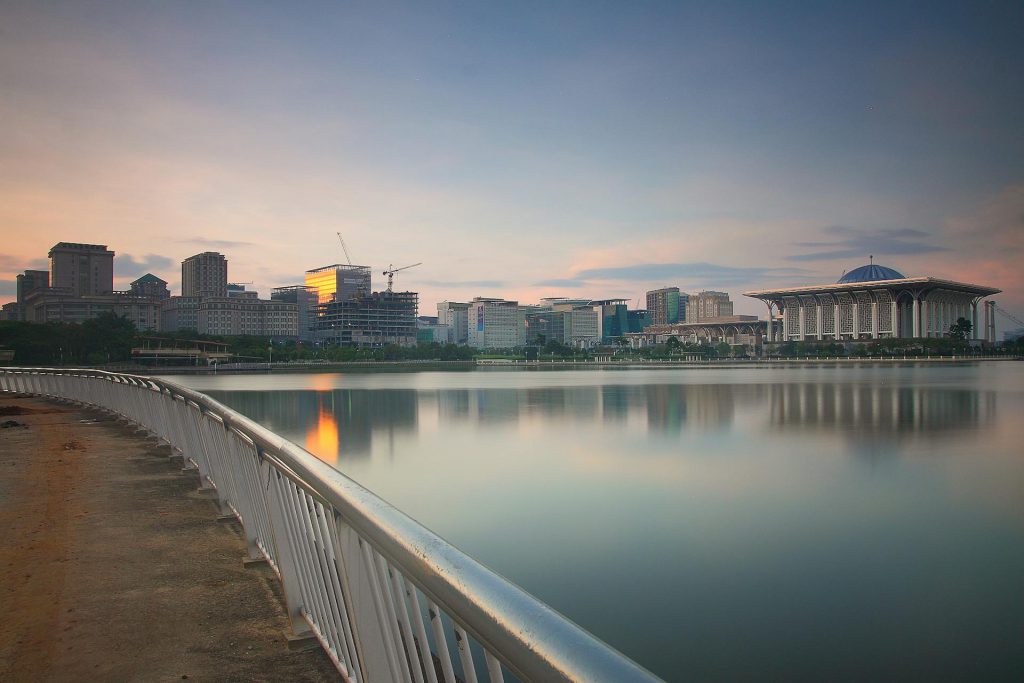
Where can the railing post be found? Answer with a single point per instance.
(284, 552)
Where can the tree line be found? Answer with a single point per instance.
(110, 339)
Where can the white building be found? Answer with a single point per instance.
(496, 324)
(455, 316)
(875, 302)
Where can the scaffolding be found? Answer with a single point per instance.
(368, 321)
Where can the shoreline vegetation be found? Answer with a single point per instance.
(107, 342)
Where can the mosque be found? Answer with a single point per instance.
(875, 302)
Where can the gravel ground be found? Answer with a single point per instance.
(113, 567)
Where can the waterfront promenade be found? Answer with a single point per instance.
(114, 567)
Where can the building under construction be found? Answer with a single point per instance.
(368, 320)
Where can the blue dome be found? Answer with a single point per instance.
(870, 273)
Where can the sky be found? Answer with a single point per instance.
(521, 149)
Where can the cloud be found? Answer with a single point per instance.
(859, 243)
(696, 271)
(10, 263)
(8, 287)
(463, 283)
(219, 244)
(126, 265)
(561, 282)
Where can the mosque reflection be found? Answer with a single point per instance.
(344, 423)
(872, 413)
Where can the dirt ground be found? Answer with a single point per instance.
(113, 567)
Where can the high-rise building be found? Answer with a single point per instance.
(82, 269)
(454, 316)
(496, 324)
(339, 283)
(708, 305)
(663, 305)
(204, 274)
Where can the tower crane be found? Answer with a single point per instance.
(390, 272)
(344, 248)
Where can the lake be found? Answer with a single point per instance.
(846, 521)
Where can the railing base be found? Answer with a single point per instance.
(303, 642)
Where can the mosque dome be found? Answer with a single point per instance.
(870, 273)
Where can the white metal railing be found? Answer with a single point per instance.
(387, 599)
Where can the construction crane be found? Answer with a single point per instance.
(390, 272)
(344, 248)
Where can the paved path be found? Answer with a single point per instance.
(113, 567)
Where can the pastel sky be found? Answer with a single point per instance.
(522, 149)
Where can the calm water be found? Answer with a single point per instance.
(791, 523)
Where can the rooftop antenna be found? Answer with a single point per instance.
(871, 259)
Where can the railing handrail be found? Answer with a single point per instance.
(532, 639)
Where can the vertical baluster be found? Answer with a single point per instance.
(437, 625)
(426, 660)
(493, 667)
(398, 590)
(465, 654)
(387, 634)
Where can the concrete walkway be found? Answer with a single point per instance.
(113, 567)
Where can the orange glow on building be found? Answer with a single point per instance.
(345, 281)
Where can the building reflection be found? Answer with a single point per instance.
(331, 424)
(867, 413)
(344, 423)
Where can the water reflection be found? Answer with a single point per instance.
(330, 423)
(343, 423)
(875, 413)
(829, 519)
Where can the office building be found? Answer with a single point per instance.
(708, 305)
(247, 315)
(179, 313)
(613, 318)
(54, 305)
(339, 283)
(455, 316)
(150, 285)
(204, 275)
(663, 305)
(637, 320)
(27, 283)
(496, 324)
(82, 269)
(429, 330)
(304, 299)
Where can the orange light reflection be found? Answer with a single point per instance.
(322, 439)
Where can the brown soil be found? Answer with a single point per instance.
(112, 567)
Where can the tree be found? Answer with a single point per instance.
(723, 349)
(961, 329)
(672, 344)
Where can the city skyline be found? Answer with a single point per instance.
(523, 153)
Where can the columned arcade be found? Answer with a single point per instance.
(874, 302)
